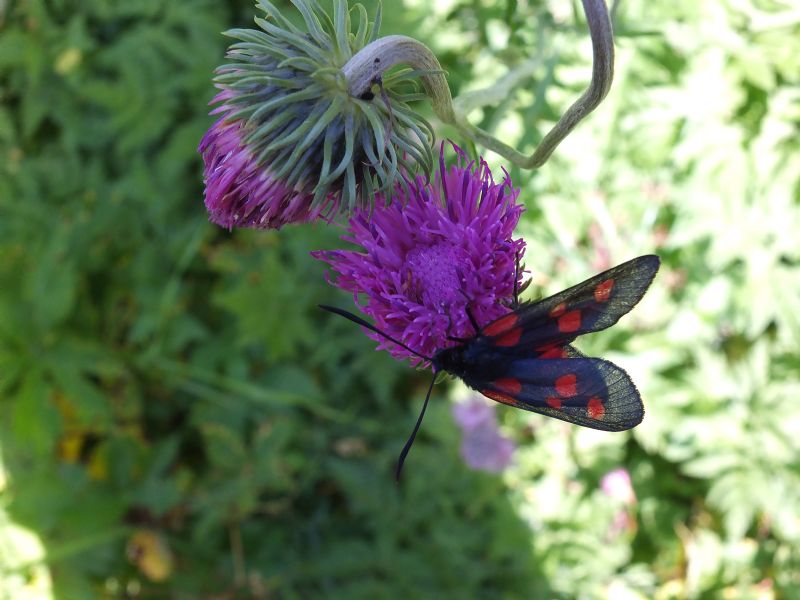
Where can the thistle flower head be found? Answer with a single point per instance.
(293, 143)
(437, 247)
(483, 447)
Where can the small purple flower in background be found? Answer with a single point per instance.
(483, 447)
(436, 247)
(617, 485)
(473, 414)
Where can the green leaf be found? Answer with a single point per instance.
(35, 421)
(224, 447)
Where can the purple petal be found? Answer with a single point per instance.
(617, 484)
(240, 193)
(419, 261)
(483, 447)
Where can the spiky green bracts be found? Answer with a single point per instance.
(310, 125)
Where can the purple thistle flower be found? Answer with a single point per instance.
(435, 248)
(483, 447)
(240, 193)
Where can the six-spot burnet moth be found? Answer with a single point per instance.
(524, 359)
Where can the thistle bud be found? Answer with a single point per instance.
(295, 140)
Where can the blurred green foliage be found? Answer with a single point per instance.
(178, 418)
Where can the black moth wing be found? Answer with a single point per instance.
(593, 305)
(591, 392)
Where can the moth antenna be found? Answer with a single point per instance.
(410, 441)
(358, 320)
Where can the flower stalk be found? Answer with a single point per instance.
(367, 67)
(602, 36)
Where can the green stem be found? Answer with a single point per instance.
(365, 69)
(367, 66)
(602, 75)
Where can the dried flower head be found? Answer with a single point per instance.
(435, 247)
(483, 447)
(293, 143)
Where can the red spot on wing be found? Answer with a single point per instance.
(567, 385)
(552, 352)
(595, 408)
(510, 338)
(558, 310)
(554, 403)
(569, 322)
(508, 385)
(499, 397)
(603, 290)
(501, 325)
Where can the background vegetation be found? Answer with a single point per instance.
(179, 420)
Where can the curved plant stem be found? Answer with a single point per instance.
(366, 68)
(602, 75)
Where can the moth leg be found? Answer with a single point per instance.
(451, 337)
(472, 320)
(519, 268)
(515, 306)
(470, 316)
(516, 282)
